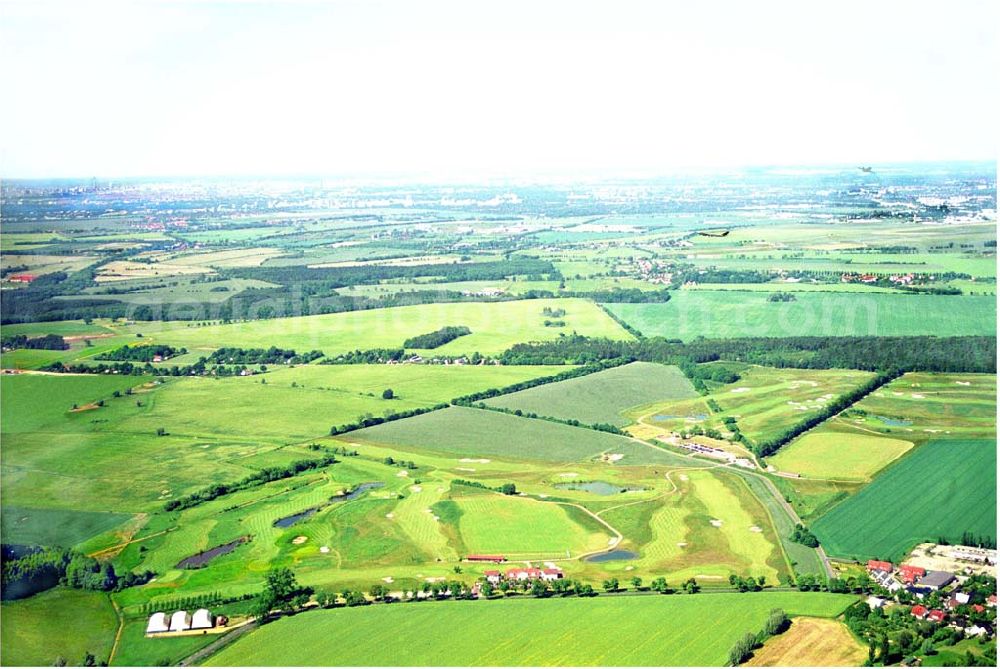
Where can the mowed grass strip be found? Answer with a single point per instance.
(848, 456)
(811, 642)
(606, 631)
(506, 525)
(496, 326)
(61, 622)
(723, 314)
(478, 433)
(603, 396)
(941, 489)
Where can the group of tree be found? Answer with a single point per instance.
(281, 592)
(776, 623)
(262, 356)
(802, 535)
(504, 488)
(49, 342)
(437, 338)
(368, 420)
(781, 297)
(921, 353)
(265, 475)
(747, 584)
(143, 353)
(600, 427)
(45, 567)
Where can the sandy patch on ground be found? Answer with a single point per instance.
(390, 515)
(415, 488)
(480, 460)
(918, 396)
(569, 475)
(387, 579)
(300, 540)
(741, 389)
(612, 457)
(682, 477)
(434, 579)
(403, 474)
(716, 522)
(964, 383)
(465, 469)
(754, 528)
(324, 549)
(681, 544)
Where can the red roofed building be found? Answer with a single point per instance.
(937, 615)
(991, 601)
(523, 574)
(486, 558)
(22, 278)
(910, 574)
(919, 611)
(552, 574)
(978, 608)
(880, 565)
(492, 575)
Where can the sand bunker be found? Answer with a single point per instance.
(681, 544)
(387, 579)
(754, 528)
(415, 488)
(964, 383)
(918, 396)
(480, 460)
(742, 389)
(324, 549)
(390, 515)
(569, 475)
(300, 540)
(403, 474)
(465, 469)
(716, 522)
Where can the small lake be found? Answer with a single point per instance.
(201, 559)
(611, 556)
(596, 487)
(895, 422)
(288, 521)
(668, 416)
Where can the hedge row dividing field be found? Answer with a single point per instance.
(607, 631)
(604, 396)
(941, 489)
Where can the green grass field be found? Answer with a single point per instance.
(838, 455)
(608, 631)
(57, 623)
(941, 489)
(709, 527)
(478, 433)
(764, 402)
(604, 396)
(722, 314)
(495, 327)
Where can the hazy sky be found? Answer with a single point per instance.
(192, 88)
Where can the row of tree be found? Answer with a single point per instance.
(368, 420)
(49, 342)
(258, 478)
(437, 338)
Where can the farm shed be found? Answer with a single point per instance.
(202, 619)
(935, 580)
(180, 621)
(157, 623)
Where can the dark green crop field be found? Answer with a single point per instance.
(942, 489)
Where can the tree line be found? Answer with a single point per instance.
(49, 342)
(259, 478)
(437, 338)
(920, 353)
(144, 353)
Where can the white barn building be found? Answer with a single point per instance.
(157, 623)
(201, 620)
(180, 621)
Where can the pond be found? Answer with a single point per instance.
(596, 487)
(201, 559)
(288, 521)
(667, 416)
(895, 422)
(611, 556)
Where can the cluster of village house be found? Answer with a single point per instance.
(920, 582)
(181, 621)
(517, 574)
(901, 279)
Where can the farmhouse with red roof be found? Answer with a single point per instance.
(492, 575)
(936, 615)
(880, 565)
(910, 574)
(919, 611)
